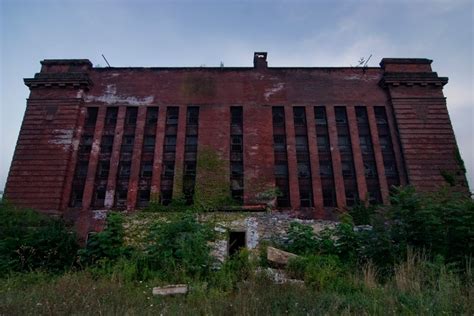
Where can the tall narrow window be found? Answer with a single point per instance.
(169, 151)
(390, 166)
(236, 154)
(190, 153)
(302, 157)
(281, 157)
(147, 157)
(347, 158)
(325, 157)
(368, 157)
(83, 154)
(125, 161)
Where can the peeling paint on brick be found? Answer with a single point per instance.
(274, 89)
(110, 97)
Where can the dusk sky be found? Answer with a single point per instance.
(195, 33)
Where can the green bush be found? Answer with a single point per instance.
(106, 245)
(180, 247)
(31, 241)
(301, 239)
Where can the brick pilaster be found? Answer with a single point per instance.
(378, 155)
(314, 159)
(158, 154)
(357, 153)
(115, 158)
(136, 159)
(336, 157)
(292, 162)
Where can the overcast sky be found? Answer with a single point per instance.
(194, 33)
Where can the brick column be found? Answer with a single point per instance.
(336, 157)
(378, 155)
(136, 159)
(115, 158)
(292, 162)
(158, 154)
(73, 160)
(357, 153)
(259, 158)
(179, 155)
(314, 158)
(93, 160)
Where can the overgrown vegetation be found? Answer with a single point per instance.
(414, 258)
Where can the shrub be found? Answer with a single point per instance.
(301, 239)
(106, 245)
(180, 246)
(30, 241)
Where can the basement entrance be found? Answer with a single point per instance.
(236, 242)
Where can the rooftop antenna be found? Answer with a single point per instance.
(106, 60)
(367, 61)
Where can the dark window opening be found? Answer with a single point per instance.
(236, 143)
(365, 144)
(361, 115)
(189, 168)
(91, 118)
(306, 199)
(172, 115)
(149, 143)
(170, 143)
(385, 143)
(301, 143)
(76, 197)
(236, 242)
(192, 115)
(237, 169)
(131, 116)
(146, 170)
(390, 169)
(304, 171)
(86, 144)
(191, 143)
(380, 116)
(124, 169)
(323, 143)
(106, 144)
(168, 170)
(351, 197)
(278, 114)
(81, 169)
(299, 116)
(341, 117)
(329, 198)
(281, 170)
(121, 195)
(111, 116)
(279, 143)
(320, 115)
(166, 197)
(344, 143)
(325, 169)
(347, 169)
(143, 197)
(103, 169)
(236, 115)
(151, 116)
(127, 143)
(370, 169)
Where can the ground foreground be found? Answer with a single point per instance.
(82, 293)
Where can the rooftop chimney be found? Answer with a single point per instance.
(260, 60)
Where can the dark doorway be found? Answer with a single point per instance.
(236, 242)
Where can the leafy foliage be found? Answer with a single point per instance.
(180, 246)
(30, 241)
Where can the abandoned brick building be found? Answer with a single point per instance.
(112, 138)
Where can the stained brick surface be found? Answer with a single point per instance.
(46, 155)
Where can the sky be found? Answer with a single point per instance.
(195, 33)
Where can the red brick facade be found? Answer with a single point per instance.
(111, 138)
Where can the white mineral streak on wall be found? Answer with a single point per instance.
(62, 137)
(274, 89)
(111, 97)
